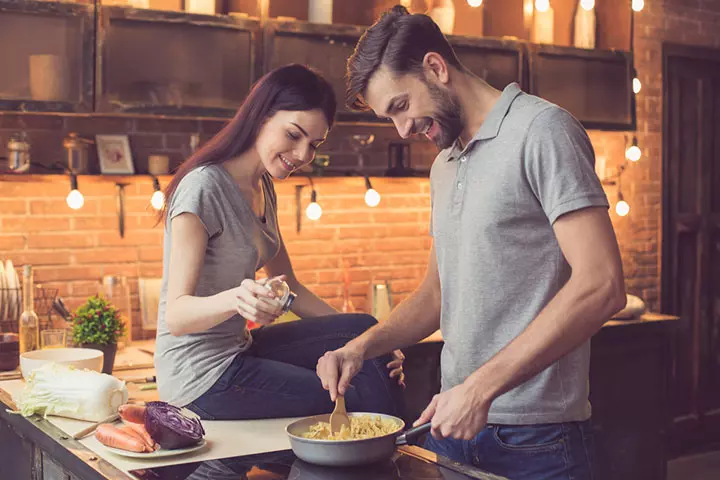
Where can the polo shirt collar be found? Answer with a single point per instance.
(491, 126)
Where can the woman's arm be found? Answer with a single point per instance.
(187, 313)
(307, 304)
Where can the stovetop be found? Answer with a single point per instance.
(285, 466)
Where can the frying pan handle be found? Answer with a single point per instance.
(409, 436)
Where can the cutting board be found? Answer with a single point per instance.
(224, 438)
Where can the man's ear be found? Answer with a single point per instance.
(436, 68)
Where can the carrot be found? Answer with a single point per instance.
(136, 435)
(132, 413)
(142, 433)
(112, 436)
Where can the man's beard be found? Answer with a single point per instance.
(448, 115)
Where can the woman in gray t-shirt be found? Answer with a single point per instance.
(221, 227)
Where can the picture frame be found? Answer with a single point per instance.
(114, 154)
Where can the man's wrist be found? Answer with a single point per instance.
(484, 385)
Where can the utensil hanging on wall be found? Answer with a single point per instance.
(120, 207)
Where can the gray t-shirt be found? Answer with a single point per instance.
(493, 206)
(239, 244)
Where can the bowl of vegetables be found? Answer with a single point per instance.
(80, 358)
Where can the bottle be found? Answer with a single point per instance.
(282, 293)
(29, 322)
(116, 290)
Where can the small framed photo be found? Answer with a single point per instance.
(114, 154)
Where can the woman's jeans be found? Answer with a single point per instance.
(276, 376)
(558, 451)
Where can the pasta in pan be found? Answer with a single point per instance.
(365, 426)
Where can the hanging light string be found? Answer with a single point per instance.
(314, 210)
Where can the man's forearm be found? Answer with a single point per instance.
(414, 319)
(576, 313)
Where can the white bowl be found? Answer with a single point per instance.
(77, 357)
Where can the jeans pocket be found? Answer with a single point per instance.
(529, 438)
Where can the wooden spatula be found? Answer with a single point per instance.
(339, 416)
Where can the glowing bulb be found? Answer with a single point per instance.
(314, 211)
(372, 198)
(638, 5)
(622, 208)
(75, 199)
(158, 200)
(636, 85)
(633, 153)
(542, 5)
(474, 3)
(587, 4)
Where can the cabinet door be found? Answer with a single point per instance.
(595, 86)
(173, 63)
(48, 72)
(326, 48)
(498, 62)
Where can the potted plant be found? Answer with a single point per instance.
(97, 324)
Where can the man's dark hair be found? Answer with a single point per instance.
(398, 40)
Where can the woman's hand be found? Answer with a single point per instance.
(254, 302)
(396, 367)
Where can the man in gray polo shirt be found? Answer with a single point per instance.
(524, 267)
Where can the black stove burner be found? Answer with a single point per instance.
(285, 466)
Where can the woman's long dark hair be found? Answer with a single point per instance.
(292, 87)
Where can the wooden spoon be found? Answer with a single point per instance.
(339, 416)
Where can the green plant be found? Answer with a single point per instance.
(97, 321)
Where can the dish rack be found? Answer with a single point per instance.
(43, 304)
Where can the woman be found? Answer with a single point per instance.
(221, 227)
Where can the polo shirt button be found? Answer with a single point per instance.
(459, 185)
(463, 159)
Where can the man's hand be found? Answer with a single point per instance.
(460, 413)
(337, 368)
(396, 367)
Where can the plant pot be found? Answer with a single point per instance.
(109, 352)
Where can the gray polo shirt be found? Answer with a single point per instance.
(493, 207)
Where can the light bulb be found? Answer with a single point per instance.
(474, 3)
(622, 208)
(587, 4)
(542, 5)
(372, 198)
(75, 199)
(158, 200)
(633, 153)
(314, 211)
(638, 5)
(636, 85)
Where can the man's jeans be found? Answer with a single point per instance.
(560, 451)
(276, 376)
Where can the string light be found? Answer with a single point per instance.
(587, 4)
(372, 197)
(474, 3)
(542, 5)
(637, 86)
(633, 153)
(638, 5)
(158, 197)
(313, 211)
(75, 198)
(622, 208)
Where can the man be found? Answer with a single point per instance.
(524, 268)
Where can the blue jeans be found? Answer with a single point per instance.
(276, 376)
(559, 451)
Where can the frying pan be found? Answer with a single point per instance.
(344, 453)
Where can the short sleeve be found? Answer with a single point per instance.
(198, 193)
(560, 164)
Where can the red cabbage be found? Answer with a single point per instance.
(170, 427)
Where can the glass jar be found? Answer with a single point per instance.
(282, 293)
(116, 290)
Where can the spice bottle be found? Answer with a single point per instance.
(282, 292)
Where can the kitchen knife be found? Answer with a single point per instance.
(445, 462)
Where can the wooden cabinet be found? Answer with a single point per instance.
(594, 85)
(172, 63)
(498, 62)
(50, 71)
